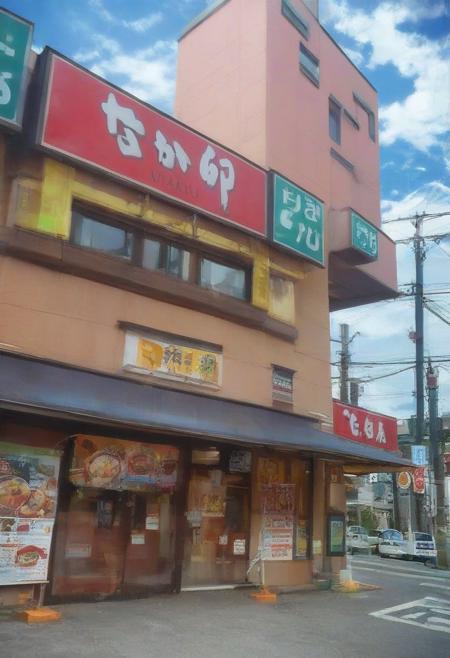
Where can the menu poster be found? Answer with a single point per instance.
(28, 495)
(301, 547)
(336, 534)
(277, 544)
(278, 521)
(123, 465)
(278, 498)
(270, 471)
(206, 499)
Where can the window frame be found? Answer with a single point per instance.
(233, 264)
(370, 116)
(335, 109)
(101, 219)
(295, 18)
(309, 55)
(140, 234)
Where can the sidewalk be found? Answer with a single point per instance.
(226, 624)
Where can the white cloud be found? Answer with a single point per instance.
(421, 118)
(395, 193)
(139, 25)
(148, 73)
(145, 23)
(355, 55)
(100, 9)
(421, 168)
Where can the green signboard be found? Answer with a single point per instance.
(297, 220)
(15, 43)
(364, 236)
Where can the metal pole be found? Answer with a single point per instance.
(345, 358)
(354, 392)
(440, 521)
(419, 253)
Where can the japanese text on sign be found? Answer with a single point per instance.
(297, 220)
(105, 128)
(364, 236)
(365, 426)
(15, 42)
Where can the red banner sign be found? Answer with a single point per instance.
(89, 120)
(419, 480)
(364, 426)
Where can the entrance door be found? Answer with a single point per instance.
(218, 522)
(114, 543)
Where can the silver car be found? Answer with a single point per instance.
(391, 544)
(357, 540)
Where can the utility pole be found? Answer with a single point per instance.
(419, 253)
(439, 525)
(354, 392)
(345, 361)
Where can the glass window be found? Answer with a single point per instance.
(167, 258)
(223, 278)
(151, 256)
(295, 18)
(93, 234)
(282, 384)
(309, 64)
(334, 121)
(281, 300)
(177, 262)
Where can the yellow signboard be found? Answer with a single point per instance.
(174, 360)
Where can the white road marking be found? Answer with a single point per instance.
(429, 605)
(396, 565)
(396, 573)
(415, 615)
(444, 587)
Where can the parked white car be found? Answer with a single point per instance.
(357, 540)
(391, 544)
(420, 546)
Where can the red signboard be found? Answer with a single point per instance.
(364, 426)
(419, 480)
(86, 119)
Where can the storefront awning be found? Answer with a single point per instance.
(36, 386)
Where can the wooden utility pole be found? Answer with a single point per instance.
(437, 462)
(344, 364)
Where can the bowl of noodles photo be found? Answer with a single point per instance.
(14, 492)
(103, 469)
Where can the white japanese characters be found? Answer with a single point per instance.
(127, 128)
(170, 154)
(368, 430)
(301, 218)
(127, 141)
(5, 91)
(209, 172)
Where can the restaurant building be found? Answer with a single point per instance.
(165, 400)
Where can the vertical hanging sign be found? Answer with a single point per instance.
(15, 44)
(297, 220)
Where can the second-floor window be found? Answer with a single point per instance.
(152, 252)
(95, 234)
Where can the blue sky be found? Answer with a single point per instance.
(403, 48)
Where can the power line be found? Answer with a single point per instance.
(438, 236)
(424, 217)
(434, 312)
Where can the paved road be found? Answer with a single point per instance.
(229, 624)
